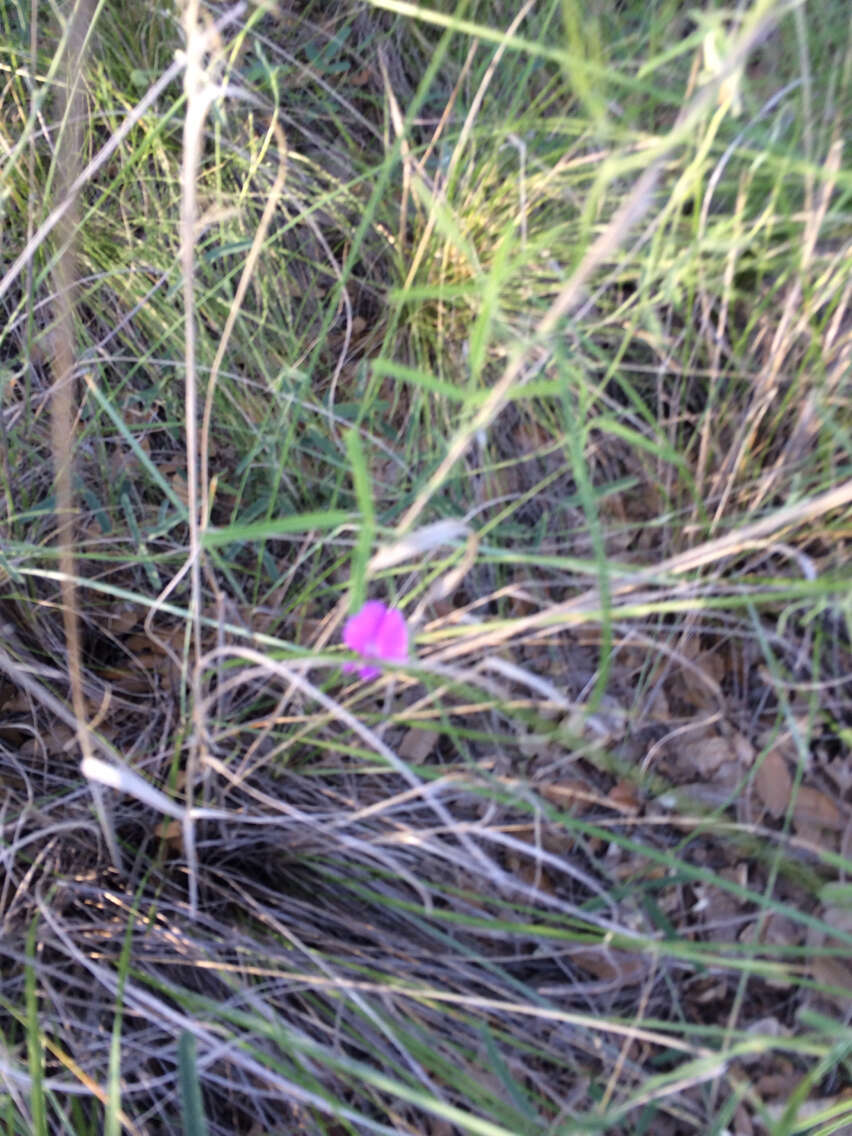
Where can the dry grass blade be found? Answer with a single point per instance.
(756, 535)
(63, 403)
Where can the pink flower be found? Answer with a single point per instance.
(377, 632)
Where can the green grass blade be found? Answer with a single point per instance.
(194, 1120)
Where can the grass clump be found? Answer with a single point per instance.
(535, 327)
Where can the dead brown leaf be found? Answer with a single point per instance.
(623, 798)
(832, 970)
(533, 876)
(54, 740)
(773, 783)
(572, 796)
(783, 930)
(417, 745)
(622, 968)
(776, 1085)
(121, 619)
(707, 754)
(813, 809)
(696, 681)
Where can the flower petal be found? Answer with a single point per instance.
(391, 639)
(378, 633)
(360, 629)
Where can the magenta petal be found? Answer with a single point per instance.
(360, 629)
(378, 633)
(391, 641)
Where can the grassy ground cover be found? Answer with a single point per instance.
(531, 321)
